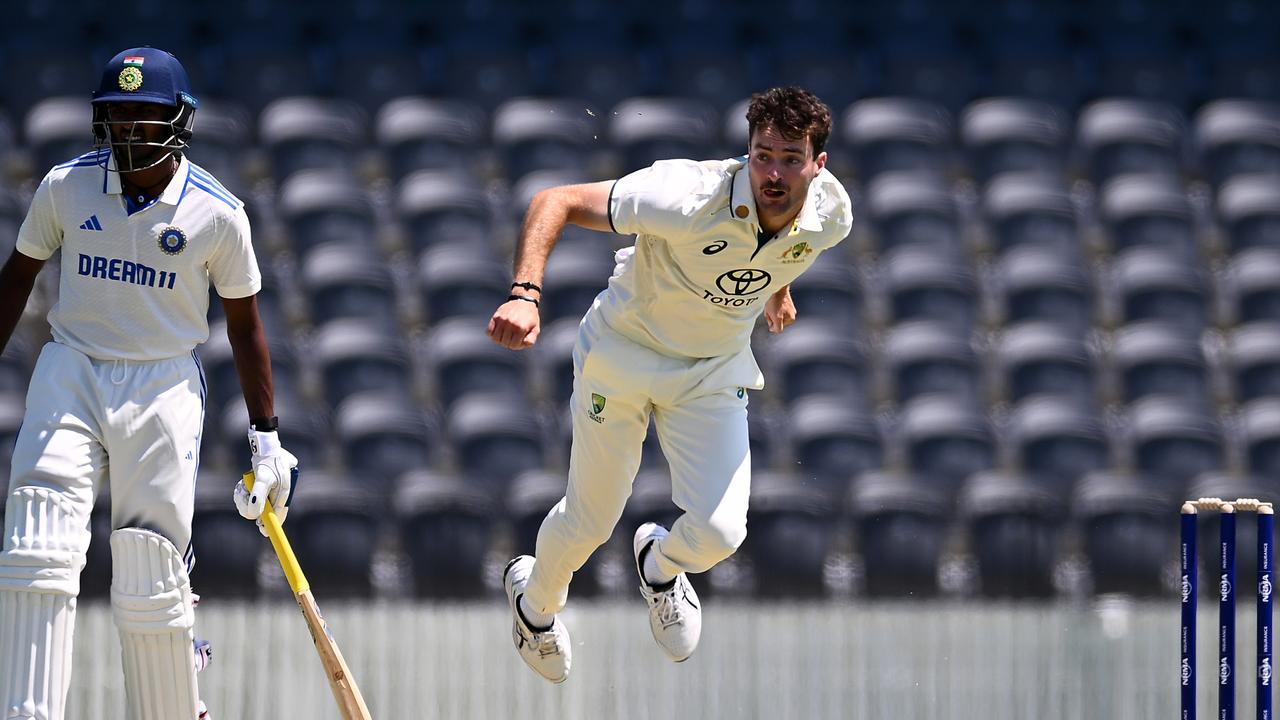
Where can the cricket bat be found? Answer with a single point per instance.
(344, 688)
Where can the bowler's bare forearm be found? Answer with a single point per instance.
(550, 210)
(17, 278)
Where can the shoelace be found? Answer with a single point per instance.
(669, 611)
(544, 643)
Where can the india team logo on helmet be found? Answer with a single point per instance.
(172, 240)
(130, 79)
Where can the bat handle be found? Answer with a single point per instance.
(284, 552)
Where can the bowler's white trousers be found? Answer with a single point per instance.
(699, 408)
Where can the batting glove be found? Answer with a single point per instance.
(275, 470)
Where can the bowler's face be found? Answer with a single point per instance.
(781, 169)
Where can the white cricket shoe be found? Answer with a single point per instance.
(548, 652)
(675, 615)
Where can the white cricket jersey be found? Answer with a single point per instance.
(699, 276)
(135, 285)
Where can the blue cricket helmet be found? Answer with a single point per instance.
(145, 74)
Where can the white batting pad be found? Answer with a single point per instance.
(45, 540)
(152, 603)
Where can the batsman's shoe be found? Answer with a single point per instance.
(675, 615)
(204, 712)
(547, 651)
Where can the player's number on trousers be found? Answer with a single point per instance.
(715, 247)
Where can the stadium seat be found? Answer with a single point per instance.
(12, 212)
(926, 58)
(650, 501)
(897, 133)
(354, 356)
(831, 289)
(258, 64)
(901, 526)
(1015, 528)
(382, 437)
(1261, 426)
(1236, 136)
(945, 440)
(326, 206)
(523, 189)
(792, 529)
(1173, 440)
(923, 357)
(913, 209)
(221, 134)
(648, 129)
(494, 439)
(1251, 286)
(1119, 136)
(1029, 55)
(1150, 210)
(1154, 284)
(443, 206)
(1241, 55)
(227, 546)
(58, 130)
(1040, 358)
(1057, 440)
(1033, 209)
(1127, 535)
(343, 280)
(54, 68)
(600, 63)
(1143, 59)
(445, 527)
(421, 133)
(374, 62)
(543, 134)
(1249, 210)
(923, 283)
(1014, 134)
(577, 271)
(553, 360)
(333, 524)
(832, 442)
(220, 372)
(714, 62)
(489, 62)
(310, 133)
(304, 431)
(463, 359)
(461, 280)
(1044, 285)
(1153, 358)
(819, 57)
(816, 358)
(1254, 357)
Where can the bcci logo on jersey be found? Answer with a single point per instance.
(796, 253)
(172, 240)
(597, 407)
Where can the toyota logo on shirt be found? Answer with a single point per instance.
(743, 281)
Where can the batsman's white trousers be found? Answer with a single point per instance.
(699, 408)
(131, 426)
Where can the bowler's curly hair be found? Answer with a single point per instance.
(794, 112)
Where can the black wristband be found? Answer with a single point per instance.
(527, 286)
(526, 299)
(263, 424)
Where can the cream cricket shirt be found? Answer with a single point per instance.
(135, 285)
(699, 276)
